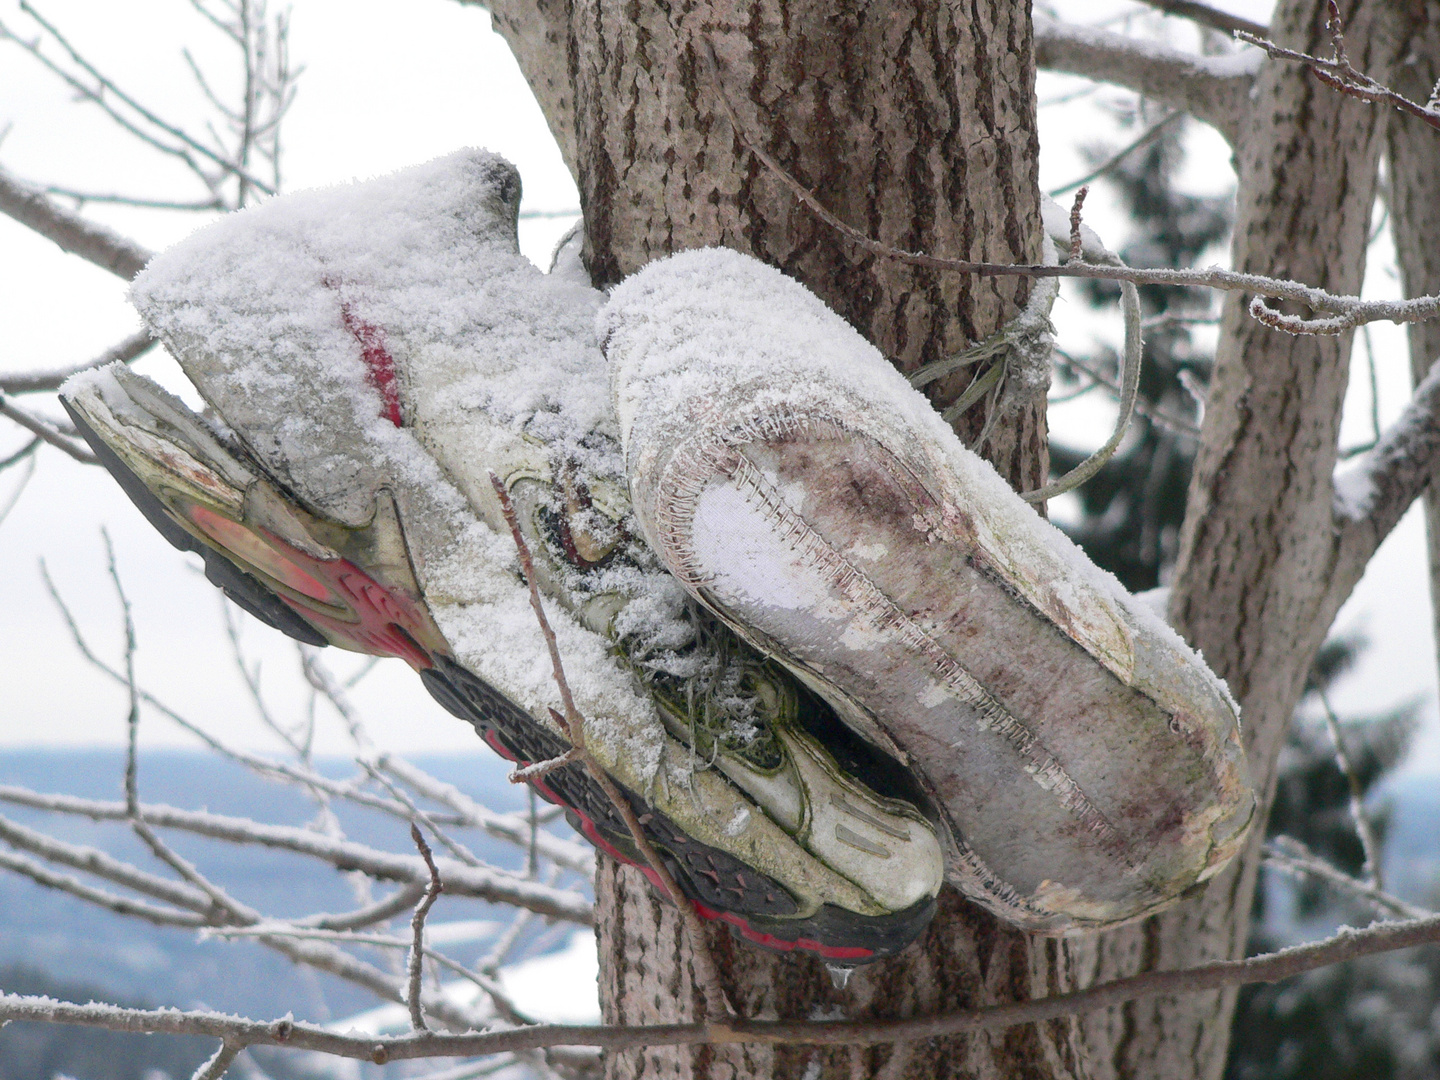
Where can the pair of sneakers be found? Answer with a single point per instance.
(831, 659)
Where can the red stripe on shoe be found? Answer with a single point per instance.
(379, 364)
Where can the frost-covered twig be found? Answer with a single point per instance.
(1347, 944)
(717, 1010)
(1343, 76)
(1291, 856)
(134, 346)
(219, 901)
(484, 883)
(102, 898)
(1343, 312)
(1371, 869)
(1373, 493)
(101, 864)
(224, 1056)
(95, 243)
(420, 817)
(512, 827)
(415, 964)
(401, 899)
(1211, 89)
(45, 433)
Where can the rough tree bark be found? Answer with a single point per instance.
(1259, 578)
(1415, 209)
(915, 121)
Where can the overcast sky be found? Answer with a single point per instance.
(387, 84)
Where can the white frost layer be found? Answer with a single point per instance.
(692, 335)
(271, 310)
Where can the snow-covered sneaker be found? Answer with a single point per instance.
(1087, 763)
(372, 354)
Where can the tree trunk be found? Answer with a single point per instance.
(1255, 588)
(1415, 224)
(916, 123)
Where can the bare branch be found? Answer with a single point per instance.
(111, 198)
(102, 865)
(46, 433)
(1211, 89)
(107, 85)
(220, 1061)
(30, 207)
(1373, 494)
(1347, 944)
(717, 1010)
(1346, 312)
(512, 827)
(121, 905)
(1206, 15)
(1146, 137)
(497, 886)
(415, 965)
(27, 454)
(1368, 843)
(134, 346)
(1163, 417)
(1294, 858)
(400, 900)
(1340, 74)
(219, 900)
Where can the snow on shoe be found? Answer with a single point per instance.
(1087, 763)
(374, 351)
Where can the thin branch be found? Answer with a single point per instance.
(1205, 15)
(45, 432)
(384, 910)
(219, 900)
(1341, 75)
(1361, 819)
(1348, 312)
(133, 347)
(496, 886)
(224, 1056)
(1287, 854)
(1211, 89)
(120, 905)
(150, 117)
(1347, 944)
(1373, 494)
(1163, 417)
(111, 198)
(415, 964)
(572, 723)
(515, 828)
(73, 233)
(103, 865)
(27, 454)
(1147, 136)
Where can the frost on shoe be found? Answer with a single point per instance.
(388, 336)
(1087, 761)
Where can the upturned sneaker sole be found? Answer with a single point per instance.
(1087, 764)
(342, 495)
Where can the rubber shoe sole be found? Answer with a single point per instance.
(325, 582)
(1087, 763)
